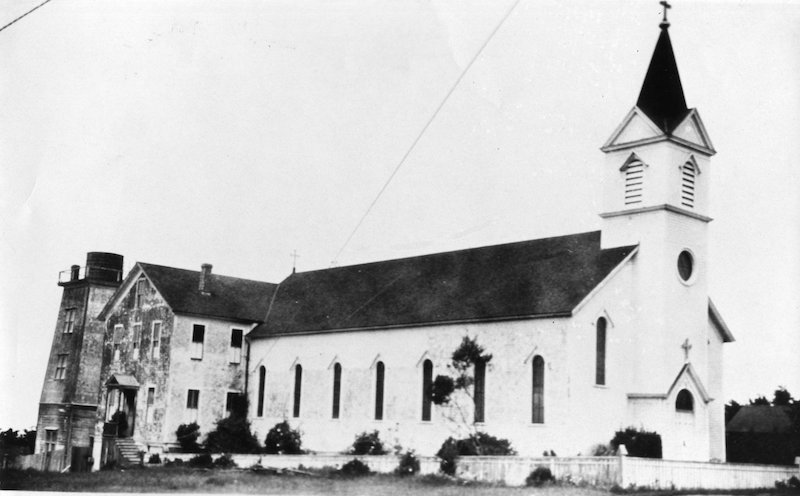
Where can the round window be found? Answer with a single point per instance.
(685, 265)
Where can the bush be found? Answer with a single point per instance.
(479, 444)
(187, 437)
(224, 461)
(355, 468)
(232, 435)
(539, 476)
(282, 439)
(409, 465)
(201, 461)
(154, 458)
(639, 443)
(368, 443)
(602, 450)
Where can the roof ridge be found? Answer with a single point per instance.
(144, 264)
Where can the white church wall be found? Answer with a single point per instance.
(716, 423)
(508, 384)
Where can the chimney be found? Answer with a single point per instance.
(205, 278)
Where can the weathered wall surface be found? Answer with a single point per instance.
(214, 375)
(144, 359)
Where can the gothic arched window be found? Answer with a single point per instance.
(685, 401)
(298, 382)
(337, 389)
(427, 385)
(380, 371)
(600, 352)
(537, 407)
(262, 377)
(480, 390)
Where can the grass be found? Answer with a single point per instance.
(185, 480)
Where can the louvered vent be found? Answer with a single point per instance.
(687, 185)
(634, 177)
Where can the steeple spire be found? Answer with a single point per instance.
(662, 97)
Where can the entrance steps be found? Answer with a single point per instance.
(128, 450)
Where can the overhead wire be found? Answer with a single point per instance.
(25, 14)
(425, 127)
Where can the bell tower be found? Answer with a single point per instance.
(655, 195)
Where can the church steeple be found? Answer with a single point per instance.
(661, 98)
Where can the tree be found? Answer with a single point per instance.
(760, 401)
(463, 362)
(782, 397)
(731, 409)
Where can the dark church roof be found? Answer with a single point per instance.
(662, 97)
(761, 419)
(539, 278)
(230, 297)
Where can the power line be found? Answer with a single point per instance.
(23, 15)
(425, 127)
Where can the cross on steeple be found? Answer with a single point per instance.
(686, 348)
(665, 22)
(295, 256)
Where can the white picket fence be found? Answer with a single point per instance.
(603, 471)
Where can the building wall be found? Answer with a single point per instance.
(148, 369)
(508, 386)
(214, 376)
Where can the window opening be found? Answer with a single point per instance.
(537, 415)
(427, 386)
(685, 401)
(198, 336)
(480, 390)
(262, 377)
(236, 345)
(688, 174)
(69, 320)
(337, 389)
(380, 371)
(600, 352)
(634, 182)
(298, 382)
(156, 341)
(61, 367)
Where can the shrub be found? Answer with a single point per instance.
(232, 435)
(539, 476)
(409, 465)
(282, 439)
(602, 450)
(187, 437)
(368, 443)
(639, 443)
(201, 461)
(355, 468)
(478, 444)
(154, 458)
(224, 461)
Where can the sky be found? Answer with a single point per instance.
(233, 133)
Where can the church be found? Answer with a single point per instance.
(589, 333)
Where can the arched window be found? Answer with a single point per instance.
(634, 182)
(298, 382)
(537, 410)
(427, 385)
(480, 390)
(685, 401)
(600, 352)
(688, 173)
(262, 377)
(380, 370)
(337, 389)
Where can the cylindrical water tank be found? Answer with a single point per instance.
(102, 266)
